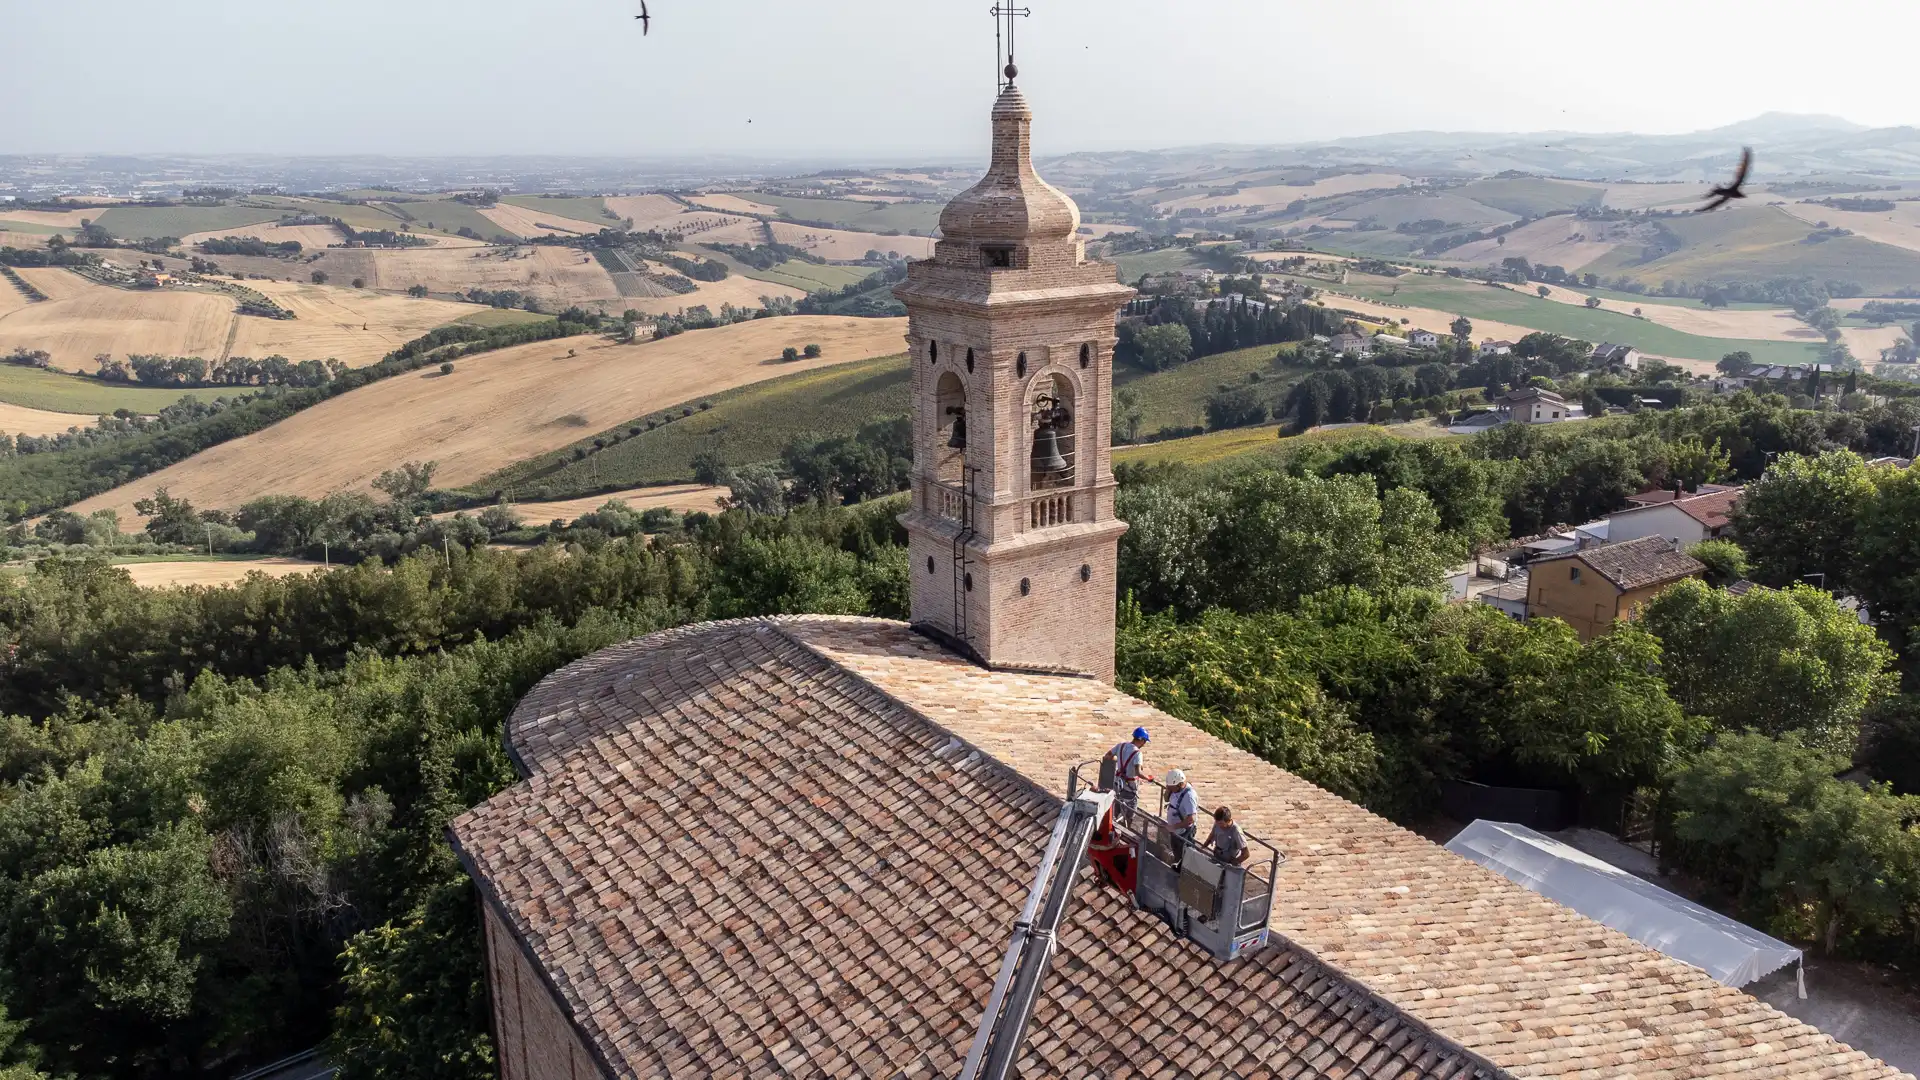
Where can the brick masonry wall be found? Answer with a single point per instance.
(535, 1039)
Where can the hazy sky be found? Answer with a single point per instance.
(898, 78)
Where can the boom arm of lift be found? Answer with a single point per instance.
(1017, 988)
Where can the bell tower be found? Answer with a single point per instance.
(1011, 332)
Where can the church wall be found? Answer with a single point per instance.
(534, 1038)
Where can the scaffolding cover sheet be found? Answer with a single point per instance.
(1732, 952)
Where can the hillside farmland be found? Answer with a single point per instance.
(497, 409)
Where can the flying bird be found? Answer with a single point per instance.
(1720, 196)
(646, 20)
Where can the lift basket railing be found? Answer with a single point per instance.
(1222, 908)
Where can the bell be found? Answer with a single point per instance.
(958, 441)
(1046, 451)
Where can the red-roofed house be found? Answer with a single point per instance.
(1687, 520)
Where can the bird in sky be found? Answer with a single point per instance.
(1720, 196)
(646, 20)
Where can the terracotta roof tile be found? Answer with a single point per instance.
(803, 877)
(1713, 510)
(1634, 564)
(797, 847)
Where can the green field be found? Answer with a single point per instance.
(1477, 301)
(813, 277)
(577, 207)
(141, 222)
(1178, 397)
(1530, 196)
(1219, 446)
(1391, 210)
(750, 424)
(493, 317)
(355, 215)
(879, 217)
(36, 388)
(1134, 267)
(29, 228)
(1761, 242)
(443, 216)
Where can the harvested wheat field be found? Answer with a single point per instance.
(57, 219)
(20, 239)
(682, 497)
(647, 211)
(738, 290)
(20, 420)
(354, 326)
(498, 408)
(1899, 227)
(1763, 324)
(736, 204)
(1562, 241)
(844, 246)
(11, 298)
(81, 320)
(557, 276)
(1280, 195)
(161, 575)
(522, 221)
(309, 237)
(1642, 196)
(1424, 318)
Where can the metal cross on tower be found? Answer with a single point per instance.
(1003, 16)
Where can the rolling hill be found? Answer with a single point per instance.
(497, 408)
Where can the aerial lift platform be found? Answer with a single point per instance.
(1219, 908)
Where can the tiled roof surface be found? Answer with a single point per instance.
(1635, 564)
(1714, 511)
(1536, 988)
(735, 858)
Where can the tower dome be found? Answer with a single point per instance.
(1011, 204)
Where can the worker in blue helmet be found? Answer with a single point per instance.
(1129, 768)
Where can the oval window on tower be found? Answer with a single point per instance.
(1086, 354)
(933, 352)
(1020, 366)
(969, 359)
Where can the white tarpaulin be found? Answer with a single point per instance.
(1732, 952)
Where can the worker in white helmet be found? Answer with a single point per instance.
(1183, 812)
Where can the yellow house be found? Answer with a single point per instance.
(1591, 590)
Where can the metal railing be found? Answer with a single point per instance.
(1221, 907)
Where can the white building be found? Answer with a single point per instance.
(1685, 521)
(1424, 339)
(1532, 405)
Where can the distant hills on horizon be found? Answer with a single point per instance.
(1785, 145)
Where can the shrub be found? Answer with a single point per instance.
(446, 369)
(319, 277)
(812, 351)
(789, 354)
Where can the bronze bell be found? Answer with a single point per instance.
(958, 441)
(1046, 450)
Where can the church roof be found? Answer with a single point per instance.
(797, 846)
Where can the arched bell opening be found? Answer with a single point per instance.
(950, 431)
(1051, 414)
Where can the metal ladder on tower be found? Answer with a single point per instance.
(961, 586)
